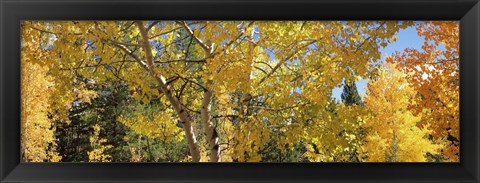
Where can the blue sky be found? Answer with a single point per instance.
(407, 38)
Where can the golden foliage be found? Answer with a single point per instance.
(37, 129)
(97, 154)
(433, 71)
(393, 134)
(268, 78)
(161, 126)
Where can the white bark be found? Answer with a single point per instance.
(184, 119)
(165, 88)
(210, 131)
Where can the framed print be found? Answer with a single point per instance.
(239, 91)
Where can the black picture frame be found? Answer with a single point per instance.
(12, 12)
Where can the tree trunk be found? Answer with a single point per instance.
(184, 119)
(210, 131)
(165, 88)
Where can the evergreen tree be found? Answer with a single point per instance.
(350, 97)
(350, 94)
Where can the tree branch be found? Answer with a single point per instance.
(194, 82)
(181, 60)
(170, 31)
(151, 25)
(185, 119)
(125, 44)
(129, 53)
(226, 116)
(207, 48)
(146, 43)
(50, 32)
(283, 61)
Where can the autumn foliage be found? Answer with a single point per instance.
(433, 71)
(237, 91)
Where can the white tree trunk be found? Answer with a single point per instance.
(165, 88)
(184, 119)
(210, 131)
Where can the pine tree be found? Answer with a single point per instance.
(351, 98)
(350, 94)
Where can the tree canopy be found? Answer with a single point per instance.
(241, 91)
